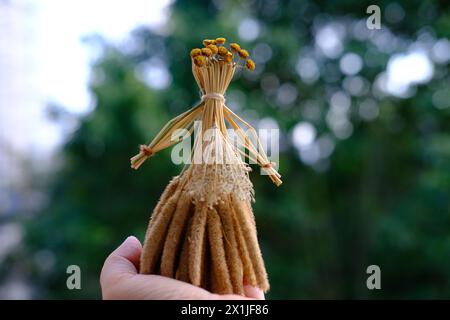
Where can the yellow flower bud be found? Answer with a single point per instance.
(207, 52)
(243, 54)
(229, 57)
(235, 47)
(222, 51)
(213, 48)
(220, 40)
(199, 61)
(196, 52)
(207, 42)
(250, 64)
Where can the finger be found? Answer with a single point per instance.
(123, 260)
(149, 287)
(253, 292)
(130, 249)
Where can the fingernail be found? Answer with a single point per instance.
(132, 240)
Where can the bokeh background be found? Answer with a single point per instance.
(365, 142)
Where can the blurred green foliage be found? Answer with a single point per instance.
(382, 197)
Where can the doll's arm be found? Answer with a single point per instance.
(164, 139)
(256, 153)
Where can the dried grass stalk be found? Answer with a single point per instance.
(173, 238)
(245, 218)
(231, 247)
(168, 192)
(222, 280)
(183, 267)
(196, 252)
(247, 266)
(156, 235)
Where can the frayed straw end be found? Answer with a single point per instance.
(145, 153)
(273, 174)
(275, 179)
(137, 161)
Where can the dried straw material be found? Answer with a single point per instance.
(197, 242)
(231, 247)
(202, 230)
(173, 236)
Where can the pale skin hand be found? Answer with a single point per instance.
(120, 279)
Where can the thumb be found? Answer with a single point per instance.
(130, 250)
(123, 260)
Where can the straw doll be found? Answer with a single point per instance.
(202, 230)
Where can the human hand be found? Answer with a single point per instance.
(120, 279)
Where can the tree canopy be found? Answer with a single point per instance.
(371, 185)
